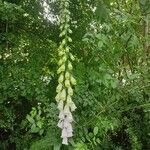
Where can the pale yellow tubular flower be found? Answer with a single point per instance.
(67, 75)
(70, 67)
(70, 91)
(61, 78)
(60, 105)
(59, 87)
(57, 98)
(72, 80)
(63, 95)
(66, 110)
(67, 83)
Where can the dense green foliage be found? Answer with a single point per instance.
(111, 48)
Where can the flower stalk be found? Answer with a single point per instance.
(66, 81)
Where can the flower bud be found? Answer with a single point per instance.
(67, 75)
(62, 33)
(62, 68)
(70, 31)
(66, 26)
(61, 78)
(72, 80)
(67, 83)
(67, 19)
(60, 62)
(72, 57)
(69, 39)
(59, 71)
(64, 58)
(67, 49)
(63, 42)
(60, 53)
(70, 66)
(66, 4)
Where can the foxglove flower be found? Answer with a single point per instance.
(61, 115)
(65, 141)
(72, 106)
(73, 81)
(66, 123)
(69, 128)
(64, 133)
(66, 110)
(59, 88)
(60, 124)
(70, 91)
(69, 134)
(67, 75)
(61, 78)
(57, 98)
(63, 95)
(60, 105)
(69, 100)
(67, 83)
(69, 117)
(70, 66)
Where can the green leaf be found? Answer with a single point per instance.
(143, 2)
(95, 131)
(34, 129)
(98, 140)
(113, 84)
(57, 146)
(39, 124)
(30, 119)
(100, 44)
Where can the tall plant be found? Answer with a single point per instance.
(66, 80)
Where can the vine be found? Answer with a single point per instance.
(66, 80)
